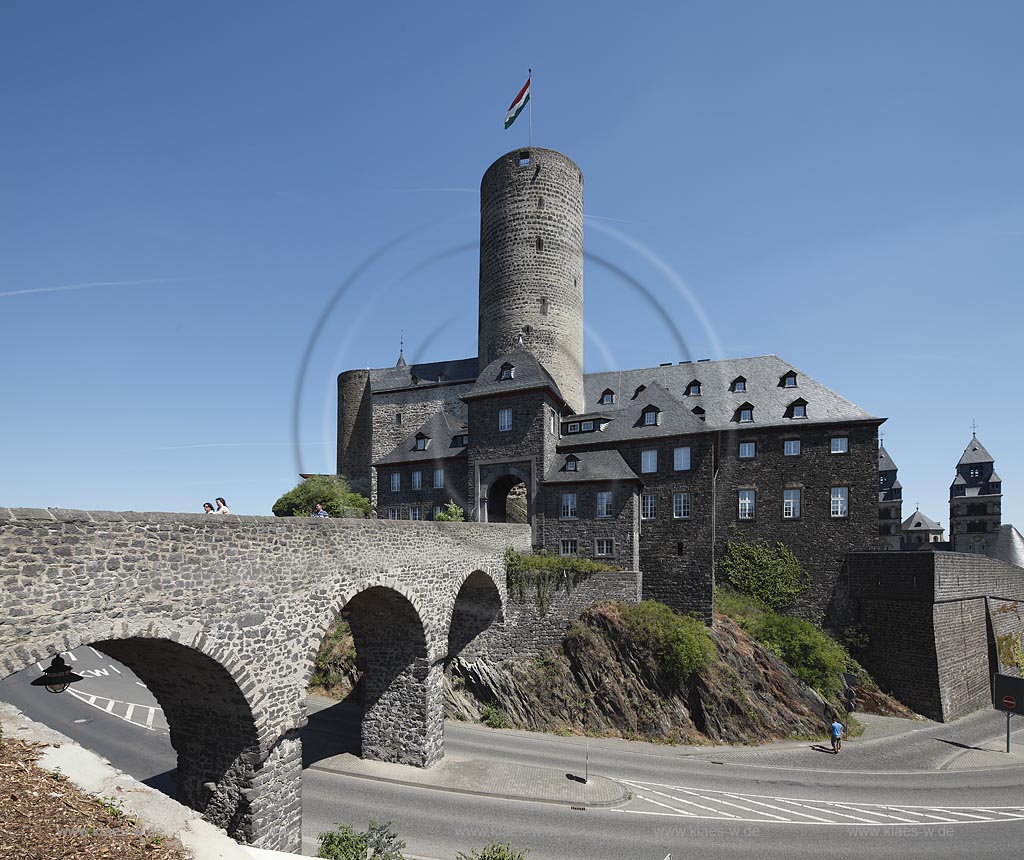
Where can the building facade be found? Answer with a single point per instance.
(654, 469)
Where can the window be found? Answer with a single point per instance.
(540, 244)
(438, 478)
(567, 546)
(524, 159)
(789, 380)
(791, 447)
(648, 506)
(975, 472)
(417, 480)
(573, 427)
(508, 371)
(748, 450)
(604, 503)
(681, 458)
(798, 409)
(649, 460)
(570, 464)
(607, 397)
(437, 510)
(415, 513)
(586, 426)
(682, 505)
(650, 417)
(504, 420)
(791, 504)
(421, 442)
(747, 502)
(746, 414)
(604, 546)
(554, 424)
(840, 445)
(461, 440)
(840, 501)
(693, 389)
(398, 419)
(543, 301)
(568, 506)
(396, 482)
(739, 384)
(394, 513)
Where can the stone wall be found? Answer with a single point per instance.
(222, 617)
(621, 527)
(526, 631)
(926, 619)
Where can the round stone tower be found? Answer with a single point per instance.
(531, 264)
(355, 429)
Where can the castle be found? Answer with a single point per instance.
(654, 469)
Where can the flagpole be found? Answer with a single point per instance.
(529, 77)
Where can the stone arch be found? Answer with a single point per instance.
(476, 607)
(212, 724)
(400, 682)
(497, 496)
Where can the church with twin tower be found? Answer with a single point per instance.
(652, 469)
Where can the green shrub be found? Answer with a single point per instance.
(450, 513)
(771, 574)
(380, 842)
(741, 608)
(547, 574)
(494, 717)
(813, 656)
(494, 851)
(680, 643)
(337, 652)
(332, 491)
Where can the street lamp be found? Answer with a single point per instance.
(57, 677)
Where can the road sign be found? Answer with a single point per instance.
(1008, 694)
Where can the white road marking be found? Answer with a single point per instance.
(71, 656)
(112, 666)
(129, 711)
(140, 683)
(149, 719)
(91, 699)
(827, 811)
(97, 653)
(110, 706)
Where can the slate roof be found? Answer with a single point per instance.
(441, 428)
(917, 520)
(592, 466)
(401, 376)
(975, 453)
(1008, 546)
(763, 391)
(528, 375)
(885, 462)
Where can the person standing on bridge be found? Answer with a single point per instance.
(319, 511)
(222, 506)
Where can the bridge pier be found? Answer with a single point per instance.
(403, 718)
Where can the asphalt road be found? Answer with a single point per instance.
(880, 798)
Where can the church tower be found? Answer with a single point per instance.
(975, 501)
(531, 264)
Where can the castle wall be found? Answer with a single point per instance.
(531, 264)
(621, 526)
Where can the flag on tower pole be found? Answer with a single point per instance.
(518, 103)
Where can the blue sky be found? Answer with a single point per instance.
(185, 187)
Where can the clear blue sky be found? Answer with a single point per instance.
(840, 184)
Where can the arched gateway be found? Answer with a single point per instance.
(222, 618)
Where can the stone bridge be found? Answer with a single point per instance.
(222, 617)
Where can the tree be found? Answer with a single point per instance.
(332, 491)
(450, 513)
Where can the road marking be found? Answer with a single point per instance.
(97, 653)
(688, 802)
(129, 711)
(666, 806)
(71, 656)
(780, 809)
(140, 683)
(91, 699)
(112, 666)
(149, 719)
(924, 815)
(110, 706)
(862, 810)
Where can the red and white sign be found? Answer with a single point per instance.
(1009, 702)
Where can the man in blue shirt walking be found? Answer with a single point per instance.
(836, 730)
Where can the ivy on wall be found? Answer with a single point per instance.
(545, 574)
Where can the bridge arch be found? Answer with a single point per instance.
(400, 679)
(212, 725)
(476, 607)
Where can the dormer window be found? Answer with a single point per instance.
(698, 412)
(570, 463)
(586, 426)
(460, 440)
(975, 473)
(788, 380)
(797, 409)
(738, 384)
(693, 389)
(508, 371)
(422, 442)
(607, 397)
(573, 427)
(745, 413)
(651, 416)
